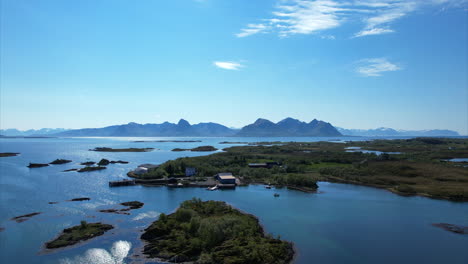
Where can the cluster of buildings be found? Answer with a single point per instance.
(223, 180)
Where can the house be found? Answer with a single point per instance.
(144, 168)
(225, 178)
(190, 171)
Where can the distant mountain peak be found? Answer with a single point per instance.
(261, 121)
(183, 123)
(289, 120)
(288, 127)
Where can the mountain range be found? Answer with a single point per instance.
(288, 127)
(390, 132)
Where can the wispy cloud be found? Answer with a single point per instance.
(311, 16)
(373, 31)
(375, 67)
(228, 65)
(252, 29)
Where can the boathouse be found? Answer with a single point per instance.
(225, 178)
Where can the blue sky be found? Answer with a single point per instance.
(356, 64)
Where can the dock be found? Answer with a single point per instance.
(122, 183)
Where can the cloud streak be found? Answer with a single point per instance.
(228, 65)
(293, 17)
(374, 67)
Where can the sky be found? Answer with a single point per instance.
(356, 64)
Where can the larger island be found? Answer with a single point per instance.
(419, 166)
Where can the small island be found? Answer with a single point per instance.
(105, 162)
(453, 228)
(82, 232)
(37, 165)
(103, 149)
(213, 232)
(88, 169)
(88, 163)
(8, 154)
(60, 161)
(130, 206)
(198, 149)
(80, 199)
(133, 205)
(22, 218)
(168, 141)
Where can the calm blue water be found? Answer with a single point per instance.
(340, 224)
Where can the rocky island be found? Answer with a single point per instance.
(60, 161)
(8, 154)
(103, 149)
(37, 165)
(88, 169)
(197, 149)
(213, 232)
(130, 206)
(75, 234)
(22, 218)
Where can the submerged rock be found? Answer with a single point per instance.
(453, 228)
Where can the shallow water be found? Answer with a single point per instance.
(340, 224)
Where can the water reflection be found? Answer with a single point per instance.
(150, 214)
(118, 252)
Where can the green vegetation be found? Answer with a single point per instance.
(8, 154)
(213, 232)
(201, 148)
(420, 169)
(102, 149)
(82, 232)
